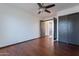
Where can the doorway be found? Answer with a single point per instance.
(47, 28)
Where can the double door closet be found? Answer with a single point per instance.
(68, 28)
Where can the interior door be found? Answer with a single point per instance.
(47, 28)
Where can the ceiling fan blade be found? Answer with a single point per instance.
(49, 6)
(47, 11)
(39, 4)
(39, 12)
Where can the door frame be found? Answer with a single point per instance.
(45, 21)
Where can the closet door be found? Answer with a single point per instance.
(75, 39)
(42, 28)
(69, 28)
(62, 29)
(66, 28)
(73, 28)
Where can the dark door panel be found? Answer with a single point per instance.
(68, 28)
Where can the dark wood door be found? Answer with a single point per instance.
(63, 29)
(68, 28)
(55, 28)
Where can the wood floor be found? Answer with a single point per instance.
(40, 47)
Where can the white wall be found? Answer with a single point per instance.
(68, 11)
(16, 25)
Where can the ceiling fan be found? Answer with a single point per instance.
(44, 8)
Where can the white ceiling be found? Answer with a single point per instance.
(33, 7)
(62, 6)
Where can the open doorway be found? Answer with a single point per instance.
(47, 28)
